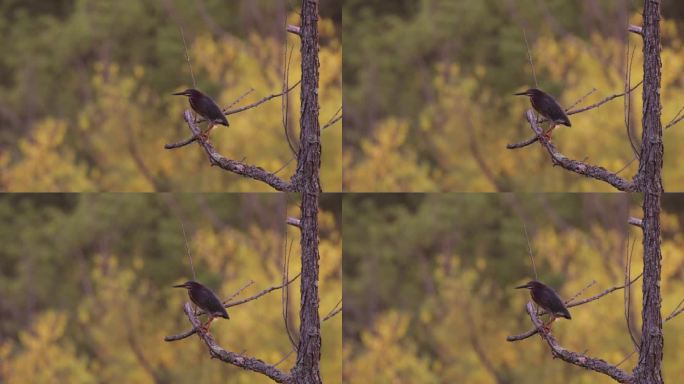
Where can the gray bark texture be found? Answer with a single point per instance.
(648, 370)
(307, 368)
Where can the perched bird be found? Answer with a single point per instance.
(205, 107)
(548, 299)
(548, 107)
(206, 300)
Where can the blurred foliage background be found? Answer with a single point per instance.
(428, 285)
(428, 91)
(85, 285)
(85, 96)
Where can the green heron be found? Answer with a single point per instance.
(546, 106)
(548, 299)
(205, 107)
(206, 300)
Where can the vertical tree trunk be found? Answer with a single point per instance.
(307, 180)
(648, 369)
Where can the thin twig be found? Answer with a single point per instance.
(575, 358)
(675, 311)
(228, 304)
(676, 119)
(581, 99)
(334, 311)
(234, 166)
(628, 294)
(628, 102)
(285, 100)
(532, 332)
(604, 100)
(581, 291)
(533, 139)
(580, 167)
(238, 360)
(228, 112)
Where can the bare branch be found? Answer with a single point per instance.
(228, 111)
(332, 314)
(238, 360)
(635, 222)
(582, 168)
(635, 29)
(333, 120)
(628, 101)
(575, 358)
(294, 222)
(334, 311)
(570, 304)
(605, 100)
(580, 292)
(676, 119)
(628, 295)
(294, 30)
(237, 167)
(285, 100)
(678, 309)
(581, 99)
(572, 112)
(227, 303)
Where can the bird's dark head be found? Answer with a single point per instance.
(188, 285)
(530, 285)
(530, 92)
(190, 92)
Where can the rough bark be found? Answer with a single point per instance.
(648, 369)
(306, 369)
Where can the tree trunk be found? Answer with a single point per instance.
(648, 369)
(307, 181)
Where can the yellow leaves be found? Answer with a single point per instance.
(386, 165)
(44, 356)
(388, 356)
(45, 164)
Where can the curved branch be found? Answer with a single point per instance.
(582, 168)
(263, 100)
(570, 304)
(227, 303)
(575, 358)
(569, 112)
(236, 359)
(237, 167)
(229, 111)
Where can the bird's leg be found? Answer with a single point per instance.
(547, 134)
(205, 326)
(547, 326)
(205, 135)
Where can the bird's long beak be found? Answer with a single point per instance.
(521, 286)
(520, 94)
(179, 286)
(182, 93)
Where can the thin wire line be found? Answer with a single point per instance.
(529, 57)
(187, 249)
(187, 57)
(529, 247)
